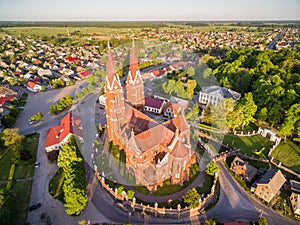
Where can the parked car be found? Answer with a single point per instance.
(35, 206)
(37, 164)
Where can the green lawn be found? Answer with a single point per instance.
(206, 188)
(168, 188)
(20, 201)
(20, 191)
(248, 144)
(288, 153)
(55, 185)
(5, 162)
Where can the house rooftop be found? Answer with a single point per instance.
(274, 178)
(225, 92)
(155, 103)
(295, 186)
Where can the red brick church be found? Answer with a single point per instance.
(155, 151)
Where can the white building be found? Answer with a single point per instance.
(215, 94)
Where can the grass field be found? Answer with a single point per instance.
(55, 185)
(20, 191)
(288, 153)
(248, 144)
(168, 188)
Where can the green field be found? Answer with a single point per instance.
(21, 189)
(248, 144)
(288, 153)
(55, 185)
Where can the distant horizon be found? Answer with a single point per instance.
(159, 21)
(154, 10)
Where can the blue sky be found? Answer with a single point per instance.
(120, 10)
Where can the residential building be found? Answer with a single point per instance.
(33, 86)
(155, 151)
(269, 185)
(215, 94)
(243, 169)
(155, 105)
(295, 203)
(59, 135)
(295, 196)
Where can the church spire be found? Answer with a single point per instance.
(112, 79)
(134, 68)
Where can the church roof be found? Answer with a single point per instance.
(177, 122)
(158, 135)
(180, 150)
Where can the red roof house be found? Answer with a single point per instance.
(155, 105)
(85, 74)
(6, 99)
(59, 135)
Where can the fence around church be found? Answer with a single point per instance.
(156, 211)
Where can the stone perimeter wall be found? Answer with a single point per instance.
(156, 211)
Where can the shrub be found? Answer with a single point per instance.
(25, 154)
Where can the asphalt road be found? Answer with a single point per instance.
(236, 204)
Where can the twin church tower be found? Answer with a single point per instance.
(154, 151)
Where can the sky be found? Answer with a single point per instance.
(149, 10)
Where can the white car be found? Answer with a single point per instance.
(37, 164)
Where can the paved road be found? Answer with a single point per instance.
(236, 203)
(274, 42)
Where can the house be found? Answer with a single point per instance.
(295, 203)
(6, 99)
(269, 185)
(44, 72)
(215, 94)
(33, 86)
(155, 105)
(59, 135)
(295, 196)
(243, 169)
(171, 110)
(85, 74)
(6, 91)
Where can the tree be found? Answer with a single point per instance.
(193, 114)
(13, 140)
(212, 168)
(83, 222)
(121, 188)
(262, 221)
(291, 125)
(190, 87)
(130, 194)
(68, 154)
(8, 121)
(74, 186)
(243, 112)
(211, 222)
(190, 71)
(37, 116)
(262, 115)
(191, 198)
